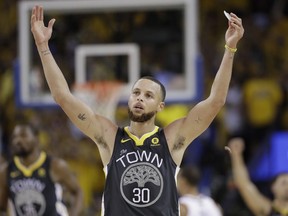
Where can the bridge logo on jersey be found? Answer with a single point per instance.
(141, 184)
(42, 172)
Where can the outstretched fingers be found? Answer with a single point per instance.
(33, 16)
(51, 23)
(37, 14)
(41, 14)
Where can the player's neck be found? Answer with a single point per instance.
(140, 128)
(192, 191)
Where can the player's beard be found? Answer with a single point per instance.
(142, 118)
(21, 152)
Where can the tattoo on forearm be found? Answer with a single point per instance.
(45, 52)
(81, 116)
(198, 120)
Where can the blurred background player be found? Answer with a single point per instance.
(192, 202)
(33, 181)
(257, 202)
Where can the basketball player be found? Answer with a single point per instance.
(256, 202)
(33, 181)
(141, 160)
(192, 202)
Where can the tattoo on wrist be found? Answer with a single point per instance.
(45, 52)
(82, 116)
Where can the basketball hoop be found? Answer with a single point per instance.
(101, 96)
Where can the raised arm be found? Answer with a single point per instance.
(201, 115)
(257, 203)
(95, 126)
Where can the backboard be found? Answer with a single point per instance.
(151, 37)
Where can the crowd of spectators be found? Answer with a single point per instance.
(256, 107)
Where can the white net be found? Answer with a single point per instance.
(102, 96)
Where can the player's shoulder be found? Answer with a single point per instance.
(58, 162)
(207, 198)
(210, 204)
(58, 168)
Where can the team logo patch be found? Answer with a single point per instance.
(30, 202)
(14, 174)
(155, 142)
(141, 184)
(42, 172)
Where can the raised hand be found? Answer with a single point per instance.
(235, 31)
(236, 146)
(40, 33)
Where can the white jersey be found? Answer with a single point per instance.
(200, 205)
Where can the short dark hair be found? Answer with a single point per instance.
(191, 173)
(25, 124)
(163, 90)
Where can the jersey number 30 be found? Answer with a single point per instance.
(141, 195)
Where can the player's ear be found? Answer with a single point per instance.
(161, 106)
